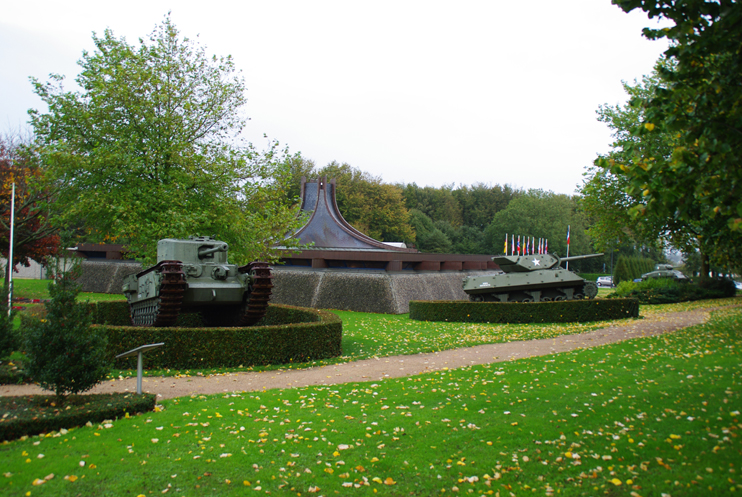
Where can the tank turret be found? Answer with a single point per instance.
(530, 278)
(194, 275)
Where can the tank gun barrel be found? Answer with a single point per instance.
(208, 251)
(579, 257)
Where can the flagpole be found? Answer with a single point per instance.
(567, 246)
(9, 265)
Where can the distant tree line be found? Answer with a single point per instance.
(459, 219)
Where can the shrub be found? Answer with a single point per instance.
(669, 291)
(33, 414)
(286, 334)
(723, 286)
(66, 354)
(8, 338)
(568, 311)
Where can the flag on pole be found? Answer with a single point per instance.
(506, 244)
(568, 236)
(528, 246)
(518, 246)
(512, 244)
(546, 246)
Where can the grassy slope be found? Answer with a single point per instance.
(649, 416)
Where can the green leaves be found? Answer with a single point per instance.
(695, 188)
(146, 149)
(66, 354)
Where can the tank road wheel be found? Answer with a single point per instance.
(590, 289)
(164, 309)
(258, 294)
(475, 298)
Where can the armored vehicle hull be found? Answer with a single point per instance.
(530, 278)
(194, 276)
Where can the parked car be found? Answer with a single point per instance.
(605, 281)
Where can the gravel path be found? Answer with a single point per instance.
(388, 367)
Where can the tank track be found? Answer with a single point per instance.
(163, 310)
(259, 292)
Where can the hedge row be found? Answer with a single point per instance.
(286, 334)
(670, 291)
(34, 414)
(567, 311)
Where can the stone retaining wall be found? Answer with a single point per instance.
(365, 291)
(106, 276)
(350, 290)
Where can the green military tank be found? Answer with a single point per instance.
(530, 278)
(665, 271)
(194, 276)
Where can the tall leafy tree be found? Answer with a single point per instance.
(480, 202)
(439, 204)
(699, 183)
(607, 197)
(429, 237)
(34, 236)
(369, 205)
(145, 149)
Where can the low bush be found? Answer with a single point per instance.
(65, 353)
(33, 414)
(286, 334)
(568, 311)
(670, 291)
(13, 370)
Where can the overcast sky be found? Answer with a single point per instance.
(498, 92)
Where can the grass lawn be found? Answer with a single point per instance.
(646, 417)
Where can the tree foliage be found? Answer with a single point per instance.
(439, 204)
(430, 238)
(547, 215)
(698, 183)
(369, 205)
(144, 149)
(480, 202)
(605, 198)
(34, 237)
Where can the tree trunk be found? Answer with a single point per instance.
(704, 266)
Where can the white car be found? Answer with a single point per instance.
(605, 281)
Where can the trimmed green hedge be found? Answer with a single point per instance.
(34, 414)
(286, 334)
(567, 311)
(670, 291)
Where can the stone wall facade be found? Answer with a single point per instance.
(106, 276)
(341, 289)
(365, 291)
